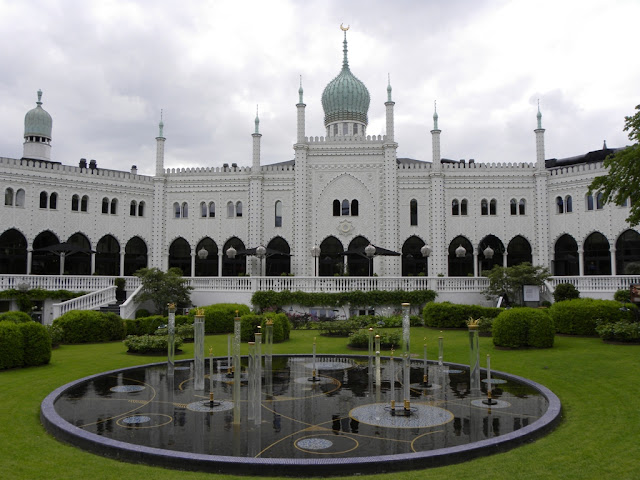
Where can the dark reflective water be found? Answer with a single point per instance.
(342, 415)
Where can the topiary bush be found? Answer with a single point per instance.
(579, 316)
(15, 317)
(36, 343)
(11, 345)
(453, 315)
(218, 318)
(183, 331)
(523, 327)
(565, 291)
(89, 326)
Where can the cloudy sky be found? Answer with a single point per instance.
(107, 69)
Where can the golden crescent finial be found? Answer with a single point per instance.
(343, 28)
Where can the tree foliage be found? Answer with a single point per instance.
(163, 288)
(623, 173)
(510, 280)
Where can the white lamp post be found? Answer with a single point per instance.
(261, 252)
(315, 252)
(370, 251)
(426, 252)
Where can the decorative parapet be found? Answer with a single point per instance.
(576, 169)
(487, 166)
(348, 139)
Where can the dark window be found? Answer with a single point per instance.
(484, 207)
(133, 208)
(53, 201)
(212, 209)
(413, 212)
(345, 207)
(463, 207)
(336, 208)
(75, 203)
(559, 205)
(203, 209)
(176, 210)
(8, 197)
(455, 207)
(185, 210)
(84, 203)
(278, 216)
(513, 205)
(114, 206)
(493, 206)
(599, 201)
(522, 206)
(238, 209)
(105, 205)
(44, 199)
(589, 202)
(568, 204)
(354, 208)
(141, 209)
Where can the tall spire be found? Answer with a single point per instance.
(161, 126)
(300, 91)
(345, 61)
(539, 116)
(39, 102)
(435, 116)
(257, 121)
(389, 88)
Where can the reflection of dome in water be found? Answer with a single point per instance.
(345, 98)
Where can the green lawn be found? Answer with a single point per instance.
(598, 384)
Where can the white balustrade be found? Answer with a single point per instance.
(129, 307)
(90, 301)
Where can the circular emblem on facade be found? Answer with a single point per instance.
(345, 227)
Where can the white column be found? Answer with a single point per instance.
(581, 260)
(29, 259)
(122, 263)
(93, 263)
(475, 263)
(193, 264)
(220, 254)
(613, 260)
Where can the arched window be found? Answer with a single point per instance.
(463, 206)
(141, 209)
(108, 256)
(105, 205)
(559, 205)
(133, 208)
(20, 198)
(79, 262)
(114, 206)
(455, 207)
(185, 210)
(597, 257)
(278, 216)
(84, 203)
(568, 203)
(484, 207)
(13, 252)
(238, 209)
(518, 251)
(44, 199)
(413, 263)
(207, 266)
(203, 209)
(331, 260)
(589, 201)
(497, 257)
(212, 209)
(278, 263)
(180, 256)
(135, 255)
(599, 201)
(232, 267)
(565, 261)
(354, 208)
(230, 210)
(460, 265)
(493, 205)
(336, 208)
(513, 205)
(345, 207)
(176, 210)
(628, 253)
(45, 262)
(413, 212)
(53, 201)
(75, 201)
(522, 206)
(8, 197)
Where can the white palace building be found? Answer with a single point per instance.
(345, 213)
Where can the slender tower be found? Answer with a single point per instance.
(391, 227)
(255, 197)
(159, 256)
(438, 259)
(541, 253)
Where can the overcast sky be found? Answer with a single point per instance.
(107, 68)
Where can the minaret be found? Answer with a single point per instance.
(389, 104)
(37, 133)
(256, 145)
(435, 141)
(539, 141)
(160, 149)
(301, 114)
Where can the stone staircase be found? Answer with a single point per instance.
(112, 307)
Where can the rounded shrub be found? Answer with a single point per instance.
(150, 343)
(15, 317)
(36, 343)
(11, 345)
(388, 339)
(89, 326)
(580, 316)
(623, 295)
(249, 326)
(454, 315)
(218, 318)
(281, 326)
(565, 291)
(142, 312)
(523, 327)
(144, 325)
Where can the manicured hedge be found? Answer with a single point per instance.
(150, 343)
(388, 339)
(85, 326)
(36, 343)
(15, 317)
(149, 325)
(218, 318)
(11, 345)
(453, 315)
(281, 326)
(250, 322)
(580, 316)
(523, 327)
(619, 332)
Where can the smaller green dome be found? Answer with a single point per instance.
(37, 121)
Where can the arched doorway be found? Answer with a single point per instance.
(413, 263)
(494, 248)
(331, 261)
(357, 262)
(108, 256)
(78, 263)
(628, 253)
(45, 262)
(565, 261)
(232, 267)
(597, 257)
(180, 256)
(208, 266)
(278, 263)
(460, 266)
(519, 251)
(135, 255)
(13, 252)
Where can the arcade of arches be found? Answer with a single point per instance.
(595, 255)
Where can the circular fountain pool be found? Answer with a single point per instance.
(339, 424)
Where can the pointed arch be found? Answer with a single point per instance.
(278, 263)
(180, 256)
(232, 267)
(13, 252)
(135, 255)
(565, 261)
(331, 260)
(208, 266)
(519, 251)
(460, 266)
(78, 263)
(497, 246)
(358, 263)
(45, 262)
(8, 197)
(108, 256)
(413, 263)
(628, 253)
(597, 256)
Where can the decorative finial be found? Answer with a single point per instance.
(539, 115)
(39, 102)
(300, 91)
(257, 121)
(435, 116)
(345, 61)
(604, 145)
(344, 29)
(161, 125)
(389, 88)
